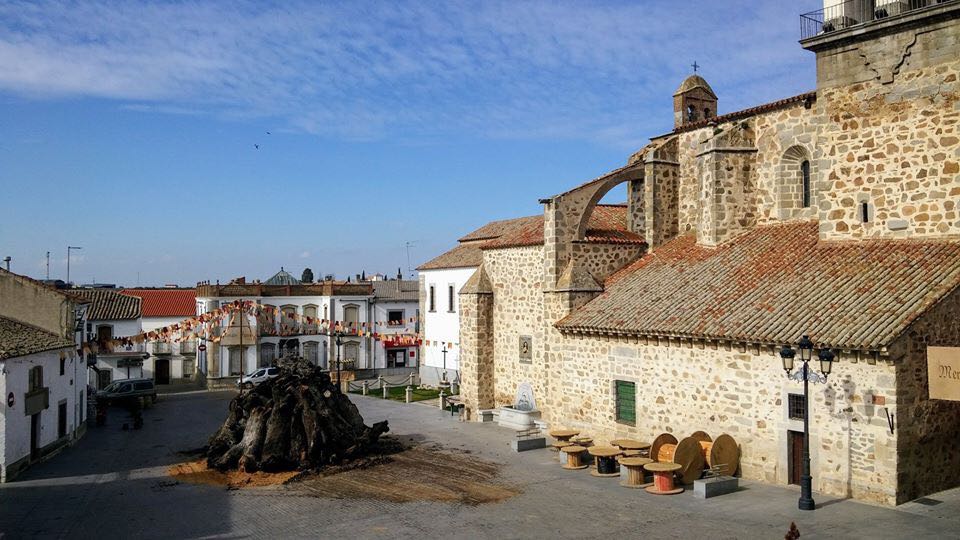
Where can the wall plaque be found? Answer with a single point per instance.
(526, 349)
(943, 372)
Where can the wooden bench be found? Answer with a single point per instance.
(455, 403)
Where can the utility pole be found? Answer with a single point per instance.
(48, 266)
(70, 248)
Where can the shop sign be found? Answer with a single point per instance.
(943, 372)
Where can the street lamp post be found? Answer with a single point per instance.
(826, 356)
(444, 351)
(339, 337)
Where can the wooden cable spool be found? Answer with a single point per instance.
(658, 443)
(725, 455)
(689, 455)
(702, 436)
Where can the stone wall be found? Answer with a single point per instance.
(928, 430)
(728, 198)
(690, 386)
(601, 260)
(517, 276)
(895, 147)
(31, 302)
(476, 351)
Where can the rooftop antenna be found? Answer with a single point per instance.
(70, 248)
(7, 260)
(48, 266)
(408, 245)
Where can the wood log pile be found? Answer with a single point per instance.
(299, 420)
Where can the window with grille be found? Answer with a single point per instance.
(626, 396)
(796, 406)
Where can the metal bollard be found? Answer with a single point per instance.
(409, 394)
(366, 387)
(385, 389)
(441, 399)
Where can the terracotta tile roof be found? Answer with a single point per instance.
(752, 111)
(774, 284)
(608, 224)
(21, 339)
(467, 253)
(109, 305)
(398, 290)
(166, 302)
(496, 229)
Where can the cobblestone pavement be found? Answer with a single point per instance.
(113, 482)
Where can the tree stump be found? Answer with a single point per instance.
(297, 421)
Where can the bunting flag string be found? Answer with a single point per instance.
(208, 326)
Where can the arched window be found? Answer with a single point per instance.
(351, 315)
(691, 113)
(795, 183)
(309, 326)
(805, 175)
(266, 320)
(706, 113)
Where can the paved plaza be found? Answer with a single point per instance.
(115, 482)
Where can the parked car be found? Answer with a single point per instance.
(258, 376)
(128, 388)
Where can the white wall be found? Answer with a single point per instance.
(441, 325)
(121, 328)
(381, 310)
(14, 377)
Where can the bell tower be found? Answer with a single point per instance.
(693, 101)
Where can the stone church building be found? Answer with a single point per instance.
(832, 213)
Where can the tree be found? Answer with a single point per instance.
(307, 276)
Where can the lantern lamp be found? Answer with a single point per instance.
(787, 354)
(806, 348)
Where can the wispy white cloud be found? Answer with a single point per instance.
(305, 255)
(406, 70)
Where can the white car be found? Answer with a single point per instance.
(257, 377)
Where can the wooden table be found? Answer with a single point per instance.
(663, 478)
(630, 444)
(635, 477)
(556, 446)
(564, 434)
(574, 455)
(606, 461)
(582, 440)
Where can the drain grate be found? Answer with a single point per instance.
(927, 501)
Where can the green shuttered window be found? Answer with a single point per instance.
(626, 395)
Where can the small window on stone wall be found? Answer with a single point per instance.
(805, 175)
(626, 397)
(691, 113)
(796, 406)
(864, 212)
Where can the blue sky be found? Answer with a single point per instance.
(130, 130)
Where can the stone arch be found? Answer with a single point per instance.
(600, 190)
(796, 194)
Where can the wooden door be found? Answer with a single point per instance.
(163, 372)
(795, 450)
(62, 420)
(35, 436)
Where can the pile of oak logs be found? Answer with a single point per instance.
(297, 421)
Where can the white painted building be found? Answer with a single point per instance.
(266, 337)
(440, 282)
(110, 316)
(42, 373)
(163, 308)
(396, 311)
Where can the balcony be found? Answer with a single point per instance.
(852, 13)
(188, 348)
(161, 348)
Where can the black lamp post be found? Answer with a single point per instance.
(804, 374)
(444, 351)
(339, 337)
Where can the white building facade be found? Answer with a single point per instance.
(440, 282)
(42, 373)
(289, 320)
(170, 362)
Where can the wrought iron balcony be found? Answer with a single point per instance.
(852, 13)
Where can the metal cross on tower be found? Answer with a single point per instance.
(695, 66)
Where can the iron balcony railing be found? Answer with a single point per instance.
(855, 12)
